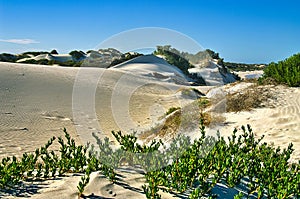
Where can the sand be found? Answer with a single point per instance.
(250, 74)
(279, 125)
(37, 102)
(29, 108)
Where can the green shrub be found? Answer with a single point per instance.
(173, 57)
(243, 67)
(77, 54)
(124, 57)
(6, 57)
(30, 61)
(35, 53)
(241, 157)
(43, 61)
(285, 72)
(185, 167)
(54, 52)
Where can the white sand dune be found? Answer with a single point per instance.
(153, 66)
(55, 57)
(29, 108)
(213, 74)
(250, 74)
(36, 103)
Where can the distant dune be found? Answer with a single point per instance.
(153, 66)
(60, 58)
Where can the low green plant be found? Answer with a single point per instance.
(171, 110)
(243, 66)
(71, 156)
(203, 102)
(43, 164)
(241, 157)
(189, 167)
(84, 180)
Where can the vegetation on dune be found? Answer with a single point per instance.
(190, 167)
(177, 58)
(124, 57)
(33, 61)
(6, 57)
(35, 53)
(77, 55)
(254, 96)
(171, 110)
(174, 57)
(284, 72)
(53, 62)
(183, 60)
(177, 119)
(244, 67)
(109, 55)
(54, 52)
(197, 58)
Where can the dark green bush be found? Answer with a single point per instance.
(285, 72)
(30, 61)
(77, 54)
(6, 57)
(174, 57)
(243, 67)
(54, 52)
(125, 57)
(181, 60)
(35, 53)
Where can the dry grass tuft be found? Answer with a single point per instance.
(169, 127)
(185, 119)
(252, 97)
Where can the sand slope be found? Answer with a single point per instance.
(280, 125)
(29, 108)
(36, 103)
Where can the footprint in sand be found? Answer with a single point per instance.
(108, 190)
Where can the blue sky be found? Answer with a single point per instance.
(242, 31)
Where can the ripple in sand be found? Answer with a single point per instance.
(283, 120)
